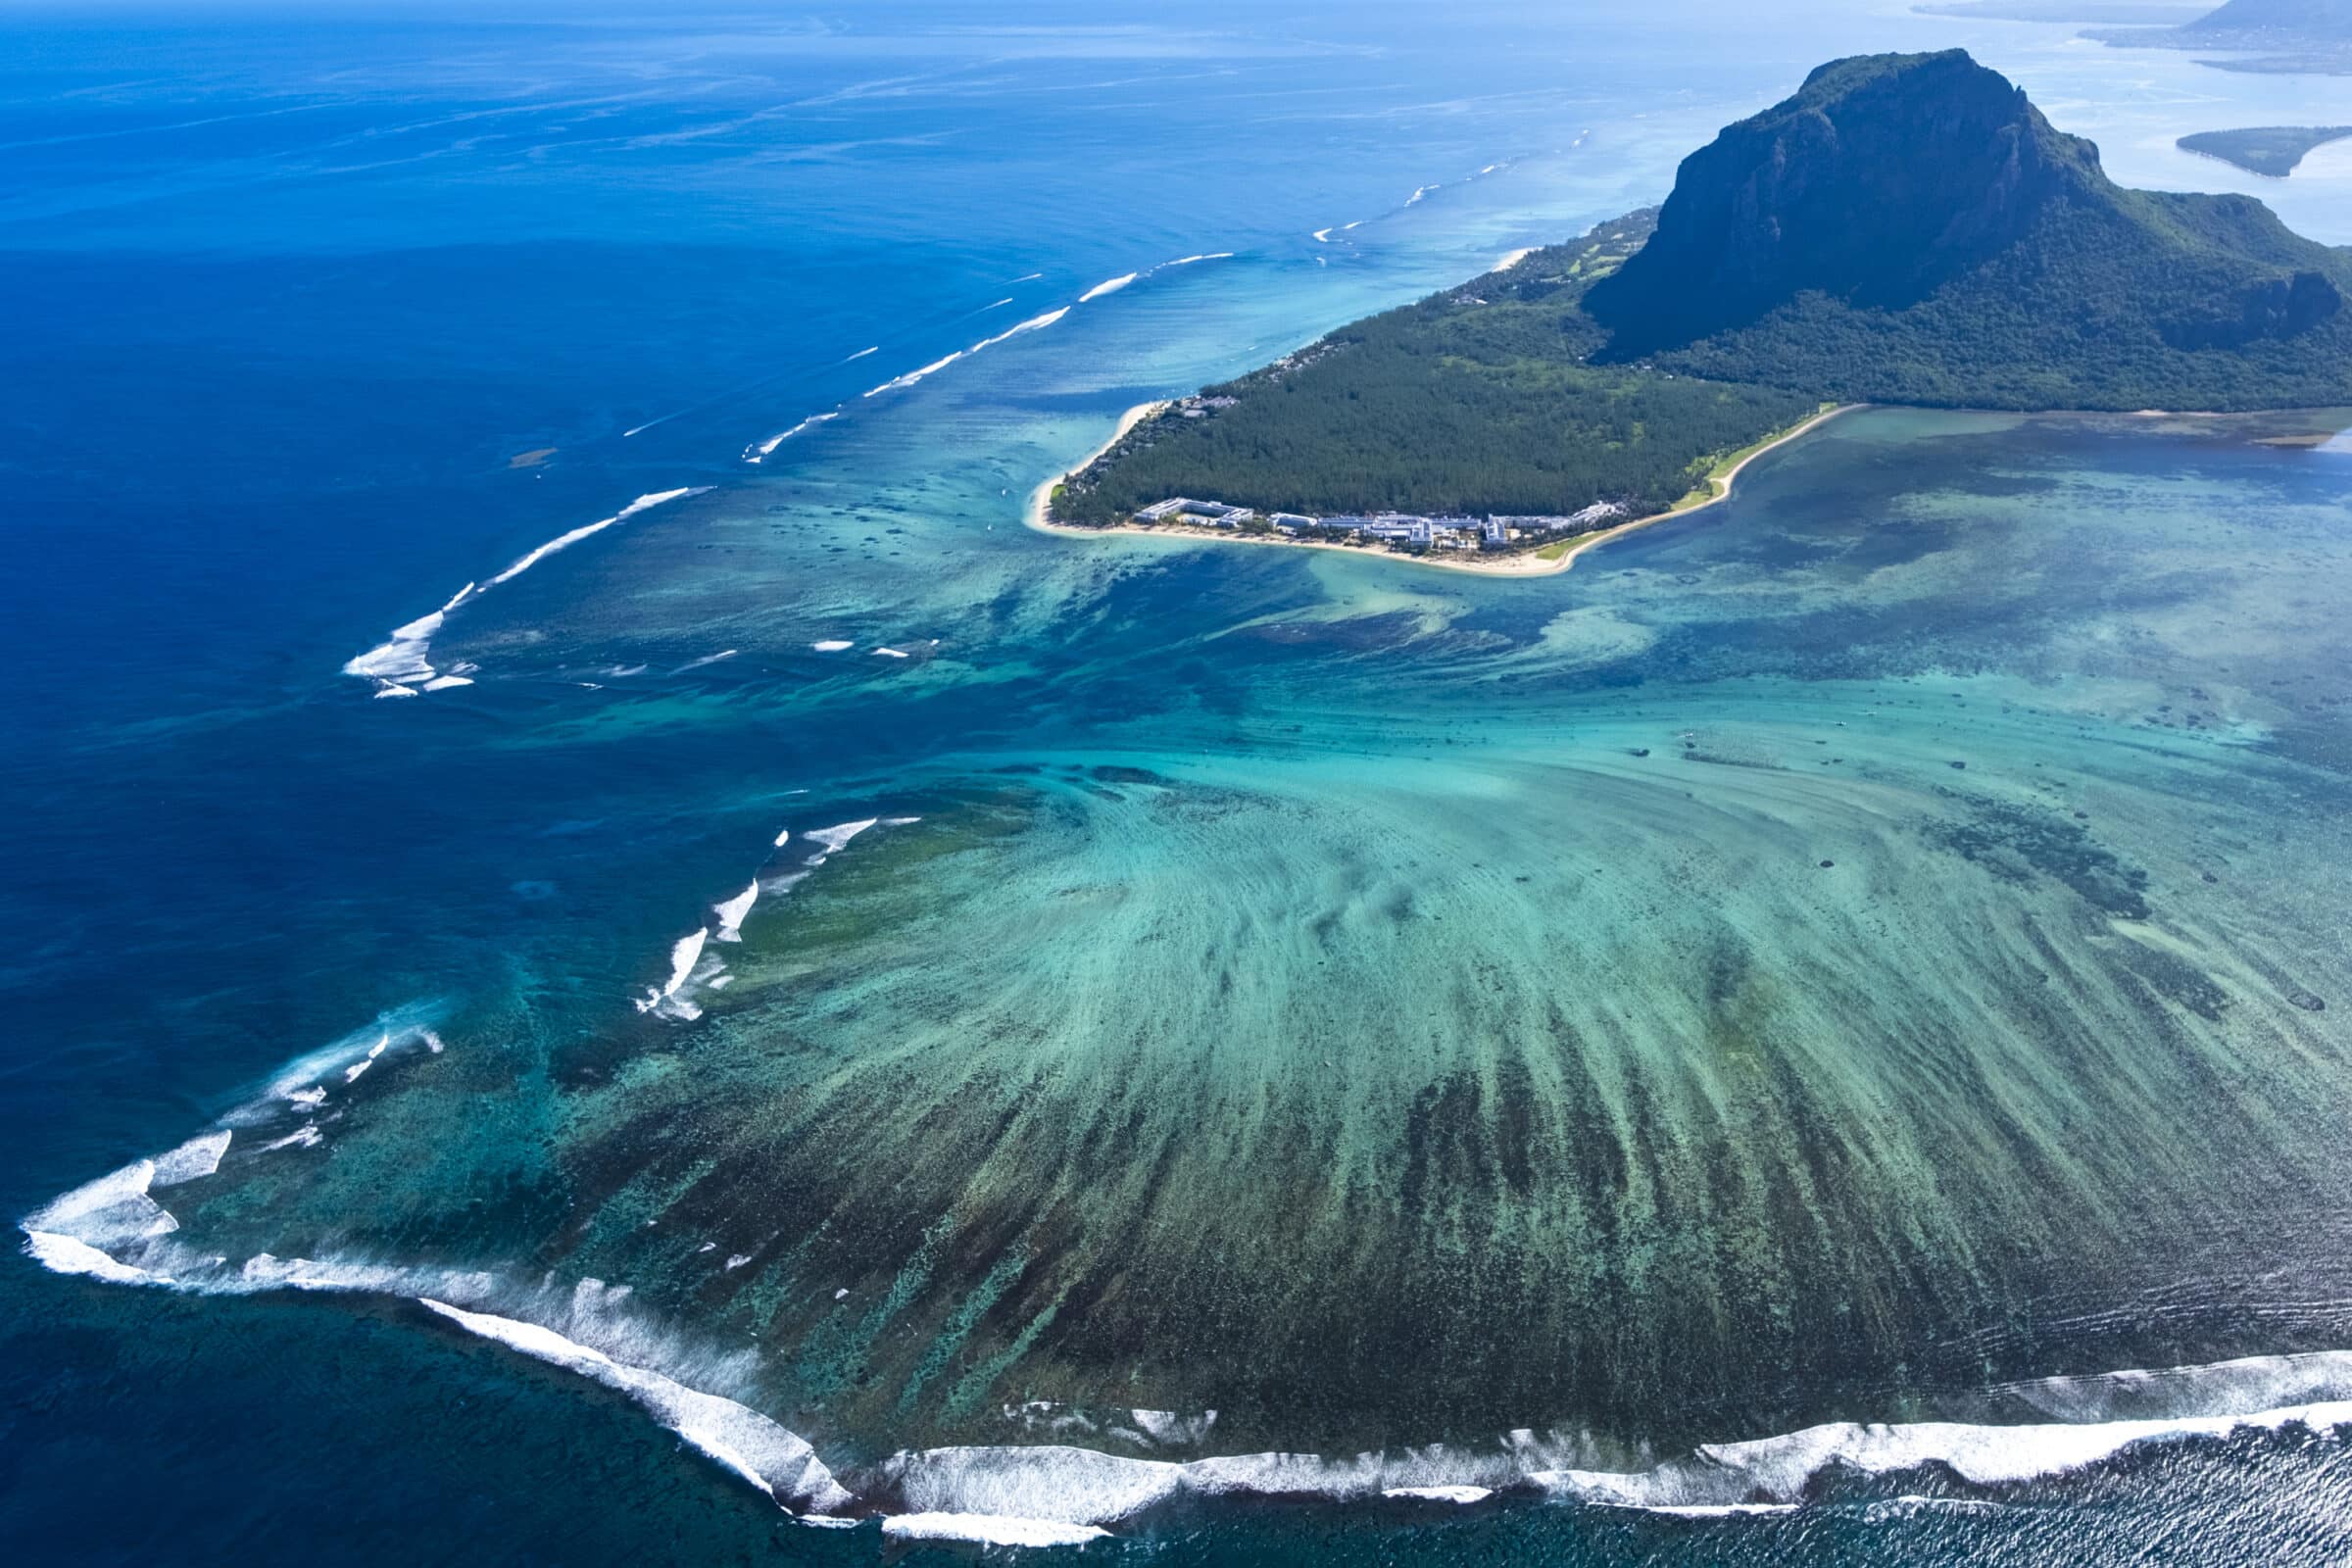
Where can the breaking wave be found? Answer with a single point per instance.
(115, 1231)
(778, 1462)
(1109, 285)
(897, 383)
(683, 956)
(761, 451)
(564, 541)
(989, 1530)
(730, 911)
(401, 664)
(1034, 323)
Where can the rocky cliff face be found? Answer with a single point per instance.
(1920, 199)
(1883, 178)
(2269, 308)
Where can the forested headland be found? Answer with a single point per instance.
(1907, 228)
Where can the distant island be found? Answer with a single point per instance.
(2270, 150)
(2275, 36)
(1905, 229)
(2076, 11)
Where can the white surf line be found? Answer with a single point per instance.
(835, 839)
(778, 1461)
(113, 1230)
(1108, 286)
(683, 956)
(1322, 236)
(764, 450)
(989, 1529)
(401, 664)
(862, 353)
(565, 541)
(1032, 324)
(707, 659)
(1461, 1495)
(1511, 259)
(899, 382)
(403, 658)
(1028, 278)
(730, 911)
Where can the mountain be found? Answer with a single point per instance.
(1910, 228)
(1907, 228)
(1883, 178)
(2284, 36)
(2271, 21)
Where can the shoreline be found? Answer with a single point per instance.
(1522, 563)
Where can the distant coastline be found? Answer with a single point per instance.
(1542, 562)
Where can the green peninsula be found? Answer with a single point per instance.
(1907, 228)
(2271, 150)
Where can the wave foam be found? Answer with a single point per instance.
(832, 644)
(835, 839)
(682, 960)
(1032, 324)
(198, 1157)
(110, 1229)
(1109, 285)
(1462, 1495)
(1766, 1475)
(63, 1254)
(1212, 256)
(764, 450)
(564, 541)
(300, 1083)
(113, 1210)
(730, 912)
(899, 382)
(778, 1461)
(989, 1529)
(405, 657)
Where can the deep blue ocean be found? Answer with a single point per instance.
(1909, 899)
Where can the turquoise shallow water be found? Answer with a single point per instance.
(1277, 1000)
(1852, 951)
